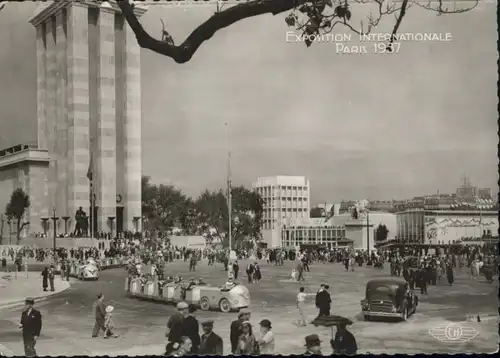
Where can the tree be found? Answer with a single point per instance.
(317, 213)
(163, 206)
(381, 233)
(310, 17)
(15, 209)
(247, 211)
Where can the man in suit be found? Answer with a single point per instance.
(318, 298)
(323, 301)
(236, 331)
(100, 314)
(211, 343)
(31, 325)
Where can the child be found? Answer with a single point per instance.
(109, 325)
(294, 275)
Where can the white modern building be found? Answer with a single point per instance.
(285, 197)
(339, 231)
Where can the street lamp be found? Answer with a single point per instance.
(368, 231)
(54, 218)
(45, 225)
(136, 223)
(65, 218)
(111, 218)
(9, 221)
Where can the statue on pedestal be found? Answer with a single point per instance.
(81, 227)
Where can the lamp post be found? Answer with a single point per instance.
(136, 223)
(44, 224)
(54, 219)
(368, 231)
(111, 218)
(9, 222)
(66, 218)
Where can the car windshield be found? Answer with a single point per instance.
(379, 292)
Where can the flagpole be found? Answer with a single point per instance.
(92, 210)
(229, 195)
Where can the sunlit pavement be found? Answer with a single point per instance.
(68, 318)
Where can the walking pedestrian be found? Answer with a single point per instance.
(266, 341)
(31, 326)
(301, 299)
(175, 327)
(236, 329)
(100, 315)
(191, 329)
(313, 345)
(344, 342)
(236, 268)
(449, 273)
(211, 343)
(109, 324)
(247, 343)
(52, 275)
(45, 278)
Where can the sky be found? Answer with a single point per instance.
(372, 126)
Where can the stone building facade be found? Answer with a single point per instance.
(88, 115)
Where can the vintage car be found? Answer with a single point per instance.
(388, 298)
(85, 271)
(227, 298)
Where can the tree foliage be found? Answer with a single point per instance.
(163, 206)
(381, 233)
(307, 17)
(15, 209)
(246, 218)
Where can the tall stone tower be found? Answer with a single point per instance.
(89, 111)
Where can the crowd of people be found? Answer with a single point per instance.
(417, 266)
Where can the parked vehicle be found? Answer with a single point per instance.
(225, 298)
(390, 298)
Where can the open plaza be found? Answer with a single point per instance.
(68, 316)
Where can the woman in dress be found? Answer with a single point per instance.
(256, 273)
(247, 344)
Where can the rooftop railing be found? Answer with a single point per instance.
(18, 148)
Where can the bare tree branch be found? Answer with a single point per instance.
(184, 52)
(441, 9)
(319, 17)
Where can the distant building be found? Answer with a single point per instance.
(336, 232)
(284, 197)
(346, 206)
(445, 226)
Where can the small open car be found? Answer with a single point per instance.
(85, 271)
(389, 298)
(226, 298)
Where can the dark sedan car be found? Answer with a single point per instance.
(390, 298)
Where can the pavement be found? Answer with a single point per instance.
(16, 286)
(68, 316)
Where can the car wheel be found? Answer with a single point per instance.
(367, 318)
(224, 305)
(204, 304)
